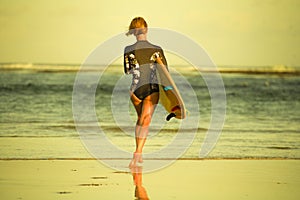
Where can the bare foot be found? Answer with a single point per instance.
(137, 160)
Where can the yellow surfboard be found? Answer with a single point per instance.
(169, 95)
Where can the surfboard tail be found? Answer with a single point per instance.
(169, 95)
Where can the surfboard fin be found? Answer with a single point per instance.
(170, 116)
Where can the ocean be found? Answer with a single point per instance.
(262, 113)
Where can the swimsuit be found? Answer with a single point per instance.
(137, 62)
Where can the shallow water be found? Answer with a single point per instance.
(262, 115)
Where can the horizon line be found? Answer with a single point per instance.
(112, 64)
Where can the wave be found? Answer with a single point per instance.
(276, 69)
(47, 67)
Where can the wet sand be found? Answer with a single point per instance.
(185, 179)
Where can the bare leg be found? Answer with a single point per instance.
(137, 103)
(145, 110)
(148, 107)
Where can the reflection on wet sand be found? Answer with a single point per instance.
(140, 192)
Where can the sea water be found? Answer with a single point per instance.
(36, 119)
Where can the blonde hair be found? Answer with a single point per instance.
(137, 26)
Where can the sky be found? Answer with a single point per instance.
(233, 32)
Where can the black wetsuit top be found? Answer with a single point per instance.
(144, 81)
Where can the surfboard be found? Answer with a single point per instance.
(169, 95)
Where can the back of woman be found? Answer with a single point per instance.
(144, 90)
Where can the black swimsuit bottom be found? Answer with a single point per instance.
(145, 90)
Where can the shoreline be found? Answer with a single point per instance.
(153, 159)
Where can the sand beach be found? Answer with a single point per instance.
(185, 179)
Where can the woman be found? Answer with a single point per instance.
(144, 90)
